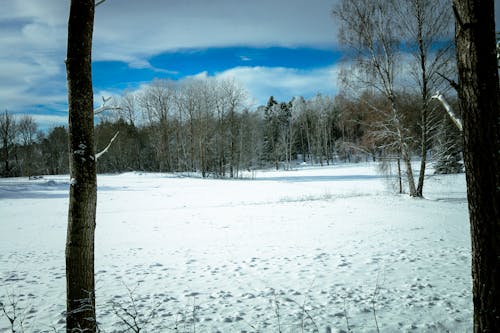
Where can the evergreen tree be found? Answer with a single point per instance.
(447, 149)
(271, 132)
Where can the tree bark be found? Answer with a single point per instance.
(80, 288)
(480, 107)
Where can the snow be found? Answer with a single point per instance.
(285, 250)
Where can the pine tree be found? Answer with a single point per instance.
(271, 133)
(447, 150)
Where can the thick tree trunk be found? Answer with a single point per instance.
(80, 287)
(480, 107)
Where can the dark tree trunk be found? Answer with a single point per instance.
(480, 108)
(422, 56)
(423, 154)
(423, 117)
(83, 190)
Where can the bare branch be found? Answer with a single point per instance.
(457, 121)
(105, 107)
(452, 83)
(107, 147)
(99, 2)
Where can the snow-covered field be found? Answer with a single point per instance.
(287, 251)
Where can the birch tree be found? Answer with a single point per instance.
(425, 25)
(368, 30)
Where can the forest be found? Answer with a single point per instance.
(205, 126)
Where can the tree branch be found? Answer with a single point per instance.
(105, 107)
(457, 121)
(107, 147)
(452, 83)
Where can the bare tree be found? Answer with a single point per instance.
(369, 31)
(129, 107)
(80, 284)
(158, 102)
(425, 25)
(54, 148)
(28, 131)
(480, 109)
(7, 135)
(233, 97)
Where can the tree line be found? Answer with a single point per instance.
(205, 126)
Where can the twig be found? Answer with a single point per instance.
(99, 2)
(277, 311)
(194, 314)
(375, 293)
(346, 317)
(130, 314)
(452, 83)
(12, 317)
(308, 316)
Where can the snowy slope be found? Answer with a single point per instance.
(288, 250)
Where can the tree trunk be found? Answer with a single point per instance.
(423, 148)
(83, 190)
(425, 108)
(480, 108)
(400, 178)
(409, 172)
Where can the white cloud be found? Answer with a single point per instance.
(32, 39)
(45, 122)
(135, 29)
(262, 82)
(284, 83)
(33, 36)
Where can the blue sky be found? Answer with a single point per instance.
(283, 48)
(271, 47)
(119, 75)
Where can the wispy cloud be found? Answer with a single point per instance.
(284, 83)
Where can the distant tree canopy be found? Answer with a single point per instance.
(204, 126)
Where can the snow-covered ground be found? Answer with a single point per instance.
(287, 251)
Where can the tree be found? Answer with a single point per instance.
(28, 130)
(7, 135)
(158, 102)
(80, 284)
(447, 149)
(128, 107)
(271, 132)
(480, 108)
(285, 132)
(55, 151)
(425, 25)
(369, 31)
(232, 96)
